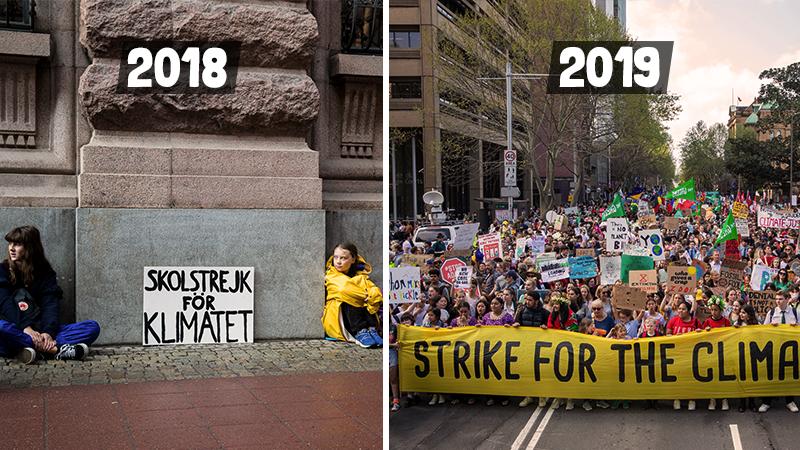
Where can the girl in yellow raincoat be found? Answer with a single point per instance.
(352, 301)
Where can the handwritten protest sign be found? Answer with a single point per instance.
(760, 276)
(463, 276)
(644, 280)
(740, 210)
(404, 285)
(672, 223)
(537, 244)
(742, 229)
(185, 305)
(616, 234)
(557, 269)
(561, 223)
(731, 276)
(582, 267)
(700, 268)
(490, 245)
(584, 252)
(465, 235)
(520, 250)
(653, 242)
(415, 260)
(542, 258)
(762, 302)
(609, 269)
(774, 219)
(626, 297)
(449, 268)
(631, 262)
(681, 279)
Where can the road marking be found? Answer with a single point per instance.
(540, 429)
(737, 441)
(526, 429)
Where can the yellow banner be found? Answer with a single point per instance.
(752, 361)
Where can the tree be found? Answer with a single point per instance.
(703, 156)
(758, 164)
(782, 90)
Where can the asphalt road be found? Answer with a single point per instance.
(504, 427)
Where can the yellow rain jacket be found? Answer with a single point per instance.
(357, 291)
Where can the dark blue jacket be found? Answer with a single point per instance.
(46, 294)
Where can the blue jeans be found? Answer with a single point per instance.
(12, 339)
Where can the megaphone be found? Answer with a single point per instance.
(435, 199)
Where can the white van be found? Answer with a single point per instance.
(460, 235)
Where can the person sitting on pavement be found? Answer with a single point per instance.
(29, 305)
(352, 300)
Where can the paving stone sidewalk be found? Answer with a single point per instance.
(128, 364)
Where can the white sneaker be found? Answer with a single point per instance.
(571, 404)
(441, 399)
(26, 356)
(676, 404)
(587, 405)
(692, 405)
(602, 404)
(542, 402)
(792, 406)
(763, 408)
(725, 406)
(433, 400)
(712, 404)
(525, 402)
(556, 403)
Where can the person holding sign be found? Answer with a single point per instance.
(352, 300)
(29, 302)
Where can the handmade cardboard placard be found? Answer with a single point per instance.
(627, 297)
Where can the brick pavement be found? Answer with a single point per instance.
(127, 364)
(317, 410)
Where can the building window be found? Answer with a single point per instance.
(361, 26)
(16, 14)
(404, 38)
(405, 88)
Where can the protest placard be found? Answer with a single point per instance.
(537, 244)
(582, 267)
(463, 276)
(616, 234)
(584, 252)
(671, 223)
(742, 229)
(731, 276)
(647, 220)
(557, 269)
(415, 260)
(449, 268)
(561, 223)
(573, 211)
(774, 219)
(457, 253)
(404, 285)
(760, 276)
(520, 250)
(631, 262)
(183, 305)
(609, 269)
(626, 297)
(490, 245)
(653, 242)
(762, 302)
(644, 280)
(542, 258)
(700, 268)
(681, 279)
(465, 235)
(740, 210)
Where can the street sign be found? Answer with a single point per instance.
(510, 167)
(510, 191)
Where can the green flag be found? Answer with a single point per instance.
(684, 190)
(615, 209)
(728, 231)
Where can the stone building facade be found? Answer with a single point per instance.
(270, 176)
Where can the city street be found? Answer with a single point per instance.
(498, 427)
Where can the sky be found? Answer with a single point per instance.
(719, 45)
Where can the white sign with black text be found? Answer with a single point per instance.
(197, 305)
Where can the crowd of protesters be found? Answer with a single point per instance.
(509, 291)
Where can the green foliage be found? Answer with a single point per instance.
(702, 156)
(782, 91)
(759, 164)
